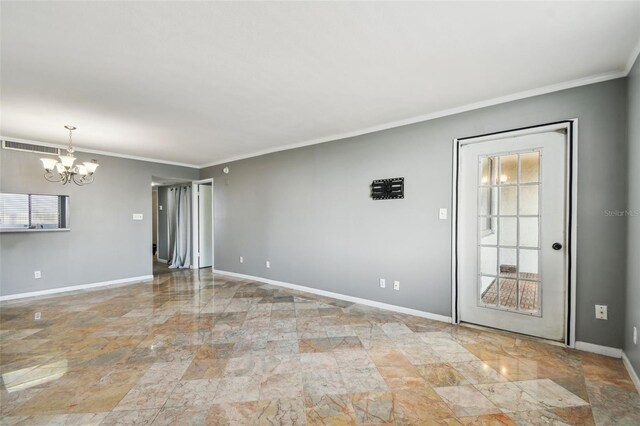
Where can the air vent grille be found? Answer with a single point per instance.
(28, 147)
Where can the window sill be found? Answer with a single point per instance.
(21, 230)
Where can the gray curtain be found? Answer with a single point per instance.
(179, 217)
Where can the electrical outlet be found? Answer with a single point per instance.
(601, 312)
(268, 264)
(241, 259)
(138, 216)
(160, 207)
(37, 316)
(635, 335)
(396, 285)
(383, 283)
(442, 214)
(37, 275)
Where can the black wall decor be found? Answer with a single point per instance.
(387, 189)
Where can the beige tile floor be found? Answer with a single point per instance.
(198, 348)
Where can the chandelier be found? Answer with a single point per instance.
(64, 171)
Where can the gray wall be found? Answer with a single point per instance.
(104, 242)
(633, 248)
(308, 210)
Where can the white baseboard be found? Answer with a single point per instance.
(76, 287)
(339, 296)
(162, 260)
(598, 349)
(631, 371)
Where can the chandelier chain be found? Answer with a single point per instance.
(70, 149)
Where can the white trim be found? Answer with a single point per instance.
(195, 236)
(508, 134)
(573, 302)
(438, 114)
(100, 152)
(14, 230)
(157, 228)
(632, 373)
(76, 287)
(367, 302)
(572, 164)
(162, 260)
(599, 349)
(455, 305)
(632, 58)
(195, 240)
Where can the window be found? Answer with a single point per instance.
(508, 252)
(488, 197)
(33, 212)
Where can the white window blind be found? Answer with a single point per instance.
(45, 210)
(33, 211)
(14, 210)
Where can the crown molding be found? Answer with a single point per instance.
(99, 152)
(431, 116)
(632, 58)
(385, 126)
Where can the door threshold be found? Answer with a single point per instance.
(520, 335)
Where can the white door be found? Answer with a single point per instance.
(511, 232)
(205, 225)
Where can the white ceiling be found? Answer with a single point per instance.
(203, 82)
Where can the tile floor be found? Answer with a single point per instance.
(198, 348)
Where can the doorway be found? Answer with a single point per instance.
(171, 225)
(203, 229)
(513, 231)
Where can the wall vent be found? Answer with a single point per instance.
(28, 147)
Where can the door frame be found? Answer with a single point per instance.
(571, 196)
(195, 211)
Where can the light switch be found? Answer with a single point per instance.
(160, 207)
(443, 214)
(137, 216)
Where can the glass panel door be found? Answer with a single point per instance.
(509, 273)
(511, 212)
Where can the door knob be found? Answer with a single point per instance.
(556, 246)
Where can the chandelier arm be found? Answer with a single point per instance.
(78, 180)
(51, 177)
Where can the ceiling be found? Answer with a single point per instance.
(200, 82)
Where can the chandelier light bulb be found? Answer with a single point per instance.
(91, 166)
(67, 160)
(82, 170)
(49, 163)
